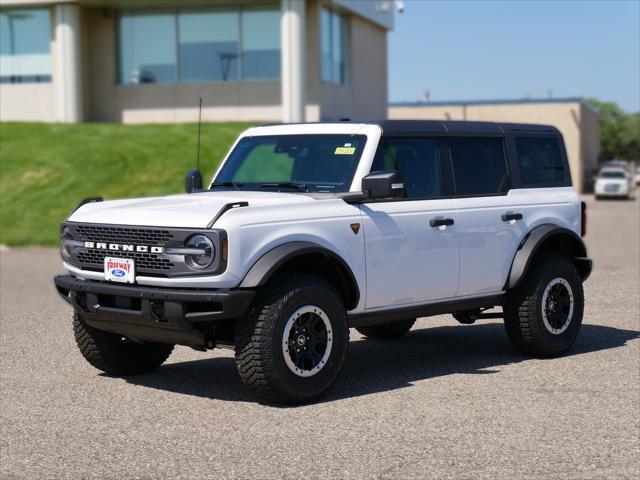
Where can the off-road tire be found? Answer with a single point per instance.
(259, 338)
(523, 311)
(113, 355)
(387, 331)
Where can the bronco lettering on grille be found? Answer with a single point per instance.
(119, 247)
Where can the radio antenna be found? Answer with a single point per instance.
(199, 126)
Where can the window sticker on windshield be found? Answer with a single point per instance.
(347, 150)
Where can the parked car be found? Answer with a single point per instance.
(613, 182)
(638, 176)
(308, 230)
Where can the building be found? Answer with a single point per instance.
(578, 122)
(151, 61)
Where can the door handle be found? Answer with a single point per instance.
(506, 217)
(441, 222)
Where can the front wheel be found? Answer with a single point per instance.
(292, 343)
(544, 313)
(114, 354)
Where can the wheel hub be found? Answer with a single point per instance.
(307, 340)
(557, 306)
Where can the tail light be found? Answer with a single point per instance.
(583, 219)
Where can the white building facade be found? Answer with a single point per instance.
(151, 61)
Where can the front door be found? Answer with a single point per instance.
(411, 244)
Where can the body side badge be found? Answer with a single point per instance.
(355, 228)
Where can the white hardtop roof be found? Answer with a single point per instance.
(347, 128)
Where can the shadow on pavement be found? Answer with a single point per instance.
(376, 366)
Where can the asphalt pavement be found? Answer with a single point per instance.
(447, 401)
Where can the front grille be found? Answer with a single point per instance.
(150, 262)
(146, 263)
(137, 236)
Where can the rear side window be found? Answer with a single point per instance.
(478, 166)
(417, 161)
(540, 161)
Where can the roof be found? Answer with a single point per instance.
(455, 127)
(413, 127)
(516, 101)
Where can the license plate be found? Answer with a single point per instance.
(120, 270)
(611, 188)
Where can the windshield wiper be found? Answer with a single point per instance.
(301, 187)
(234, 185)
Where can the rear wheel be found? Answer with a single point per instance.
(544, 313)
(292, 343)
(116, 355)
(387, 331)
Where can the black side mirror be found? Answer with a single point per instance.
(383, 185)
(193, 181)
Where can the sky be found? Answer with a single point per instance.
(480, 50)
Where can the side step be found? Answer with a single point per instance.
(377, 318)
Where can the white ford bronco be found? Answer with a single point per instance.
(308, 230)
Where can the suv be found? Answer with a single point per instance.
(308, 230)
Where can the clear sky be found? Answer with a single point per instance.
(475, 50)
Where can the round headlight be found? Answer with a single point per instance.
(65, 249)
(201, 261)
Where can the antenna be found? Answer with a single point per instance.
(199, 126)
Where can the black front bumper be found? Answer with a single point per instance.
(168, 315)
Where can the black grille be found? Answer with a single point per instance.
(136, 236)
(94, 259)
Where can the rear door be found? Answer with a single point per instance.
(491, 216)
(411, 244)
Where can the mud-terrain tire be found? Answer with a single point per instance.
(543, 314)
(387, 331)
(115, 355)
(291, 344)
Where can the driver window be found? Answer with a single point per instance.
(417, 161)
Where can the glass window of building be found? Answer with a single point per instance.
(200, 45)
(25, 46)
(260, 44)
(209, 45)
(335, 47)
(147, 43)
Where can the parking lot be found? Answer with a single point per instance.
(446, 401)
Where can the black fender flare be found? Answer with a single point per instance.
(264, 268)
(572, 245)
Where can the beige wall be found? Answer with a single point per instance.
(365, 95)
(577, 123)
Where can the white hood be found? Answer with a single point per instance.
(193, 210)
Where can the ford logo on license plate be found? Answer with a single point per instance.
(120, 270)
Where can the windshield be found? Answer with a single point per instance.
(611, 174)
(314, 163)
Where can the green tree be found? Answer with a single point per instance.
(619, 131)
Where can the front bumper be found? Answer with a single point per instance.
(176, 316)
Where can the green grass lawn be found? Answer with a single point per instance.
(46, 169)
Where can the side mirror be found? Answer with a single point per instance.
(383, 185)
(193, 181)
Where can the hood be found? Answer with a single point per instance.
(621, 182)
(193, 210)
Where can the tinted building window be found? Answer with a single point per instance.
(479, 166)
(209, 45)
(417, 161)
(335, 46)
(199, 45)
(260, 44)
(25, 46)
(148, 47)
(540, 161)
